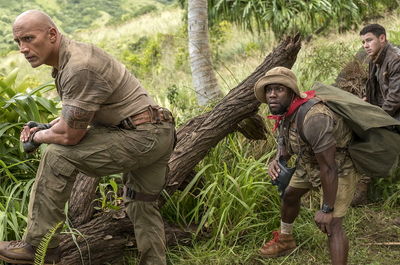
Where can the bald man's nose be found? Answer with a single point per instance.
(23, 48)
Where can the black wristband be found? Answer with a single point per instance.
(30, 145)
(41, 126)
(326, 208)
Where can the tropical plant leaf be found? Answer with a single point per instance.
(40, 254)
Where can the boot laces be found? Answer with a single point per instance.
(274, 240)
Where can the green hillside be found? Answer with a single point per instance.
(75, 15)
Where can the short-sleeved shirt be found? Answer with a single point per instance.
(93, 80)
(322, 129)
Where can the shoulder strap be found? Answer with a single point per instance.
(301, 114)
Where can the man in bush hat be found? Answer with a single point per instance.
(109, 124)
(319, 143)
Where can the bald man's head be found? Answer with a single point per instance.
(34, 18)
(37, 37)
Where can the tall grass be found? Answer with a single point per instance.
(229, 197)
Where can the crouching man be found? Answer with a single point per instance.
(109, 124)
(319, 139)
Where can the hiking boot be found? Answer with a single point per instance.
(360, 196)
(20, 252)
(280, 245)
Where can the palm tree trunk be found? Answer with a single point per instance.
(204, 79)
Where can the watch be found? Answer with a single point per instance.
(326, 208)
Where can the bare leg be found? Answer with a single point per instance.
(338, 243)
(291, 204)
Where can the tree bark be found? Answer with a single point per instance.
(107, 234)
(204, 80)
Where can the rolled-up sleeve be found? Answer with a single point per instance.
(318, 131)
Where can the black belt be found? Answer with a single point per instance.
(140, 196)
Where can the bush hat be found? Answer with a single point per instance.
(278, 75)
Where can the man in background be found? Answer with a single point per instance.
(383, 84)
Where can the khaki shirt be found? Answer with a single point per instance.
(322, 128)
(91, 79)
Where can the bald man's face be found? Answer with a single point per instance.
(36, 42)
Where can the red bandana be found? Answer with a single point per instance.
(296, 103)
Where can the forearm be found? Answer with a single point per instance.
(56, 135)
(53, 122)
(329, 183)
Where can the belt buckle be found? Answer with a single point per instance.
(128, 124)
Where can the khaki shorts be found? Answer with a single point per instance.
(344, 195)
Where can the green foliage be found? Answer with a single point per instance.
(13, 208)
(40, 254)
(323, 63)
(229, 196)
(18, 105)
(290, 16)
(387, 190)
(219, 34)
(143, 56)
(109, 199)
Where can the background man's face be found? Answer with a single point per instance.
(278, 98)
(34, 43)
(373, 44)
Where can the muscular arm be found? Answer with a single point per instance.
(329, 182)
(69, 130)
(328, 174)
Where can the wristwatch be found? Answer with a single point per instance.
(326, 208)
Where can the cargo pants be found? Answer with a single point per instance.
(141, 154)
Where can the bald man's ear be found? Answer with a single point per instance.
(53, 35)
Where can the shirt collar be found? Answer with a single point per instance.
(381, 55)
(63, 55)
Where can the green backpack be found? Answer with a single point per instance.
(375, 149)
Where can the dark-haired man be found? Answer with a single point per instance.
(322, 161)
(383, 84)
(109, 124)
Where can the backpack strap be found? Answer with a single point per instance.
(301, 114)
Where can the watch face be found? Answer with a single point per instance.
(326, 208)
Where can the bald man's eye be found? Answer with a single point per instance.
(27, 38)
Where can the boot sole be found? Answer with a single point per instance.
(18, 261)
(280, 254)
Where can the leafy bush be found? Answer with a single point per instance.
(143, 56)
(323, 63)
(18, 104)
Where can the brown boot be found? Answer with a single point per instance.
(20, 252)
(280, 245)
(360, 196)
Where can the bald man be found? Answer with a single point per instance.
(108, 124)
